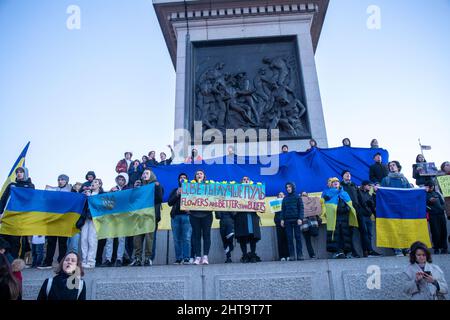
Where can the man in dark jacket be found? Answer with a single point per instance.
(366, 209)
(181, 226)
(291, 218)
(164, 161)
(90, 176)
(22, 181)
(378, 170)
(437, 219)
(352, 191)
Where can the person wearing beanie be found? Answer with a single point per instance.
(124, 164)
(63, 186)
(352, 191)
(181, 226)
(22, 181)
(367, 203)
(122, 184)
(437, 219)
(90, 176)
(291, 219)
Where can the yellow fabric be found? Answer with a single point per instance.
(125, 224)
(401, 233)
(39, 223)
(12, 177)
(330, 213)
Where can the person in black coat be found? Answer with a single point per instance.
(378, 170)
(22, 181)
(247, 231)
(135, 172)
(437, 219)
(68, 283)
(226, 219)
(90, 176)
(291, 219)
(418, 169)
(366, 209)
(352, 191)
(283, 250)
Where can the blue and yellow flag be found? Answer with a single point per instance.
(20, 162)
(401, 217)
(331, 208)
(38, 212)
(124, 213)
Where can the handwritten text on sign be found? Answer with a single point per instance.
(223, 197)
(444, 183)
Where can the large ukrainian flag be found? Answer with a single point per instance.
(124, 213)
(401, 217)
(20, 162)
(38, 212)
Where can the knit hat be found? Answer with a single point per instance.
(63, 177)
(344, 172)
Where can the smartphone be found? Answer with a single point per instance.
(428, 272)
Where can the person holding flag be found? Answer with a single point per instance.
(22, 181)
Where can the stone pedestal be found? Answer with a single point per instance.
(239, 22)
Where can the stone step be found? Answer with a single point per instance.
(345, 279)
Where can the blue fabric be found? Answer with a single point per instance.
(308, 170)
(401, 203)
(250, 223)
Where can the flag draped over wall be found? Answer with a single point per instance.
(401, 217)
(124, 213)
(308, 170)
(37, 212)
(20, 162)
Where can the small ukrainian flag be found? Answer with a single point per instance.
(20, 162)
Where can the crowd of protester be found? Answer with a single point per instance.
(355, 211)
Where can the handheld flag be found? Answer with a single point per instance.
(38, 212)
(124, 213)
(401, 218)
(20, 162)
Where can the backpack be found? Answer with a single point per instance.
(50, 282)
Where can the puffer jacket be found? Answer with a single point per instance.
(292, 206)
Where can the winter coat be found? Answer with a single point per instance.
(292, 207)
(377, 172)
(134, 175)
(437, 207)
(175, 202)
(367, 203)
(151, 163)
(352, 191)
(395, 180)
(122, 166)
(60, 291)
(26, 183)
(246, 224)
(424, 290)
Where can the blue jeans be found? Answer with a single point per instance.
(73, 243)
(293, 229)
(182, 232)
(37, 253)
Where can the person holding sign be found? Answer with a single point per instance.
(247, 231)
(423, 172)
(312, 208)
(438, 223)
(291, 219)
(444, 184)
(201, 222)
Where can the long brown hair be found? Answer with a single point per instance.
(59, 269)
(8, 278)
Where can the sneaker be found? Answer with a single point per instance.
(245, 258)
(313, 257)
(204, 260)
(348, 255)
(374, 254)
(338, 255)
(228, 260)
(254, 258)
(197, 260)
(148, 262)
(126, 262)
(283, 259)
(118, 263)
(45, 266)
(290, 259)
(187, 261)
(107, 263)
(136, 263)
(191, 260)
(178, 262)
(91, 266)
(257, 258)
